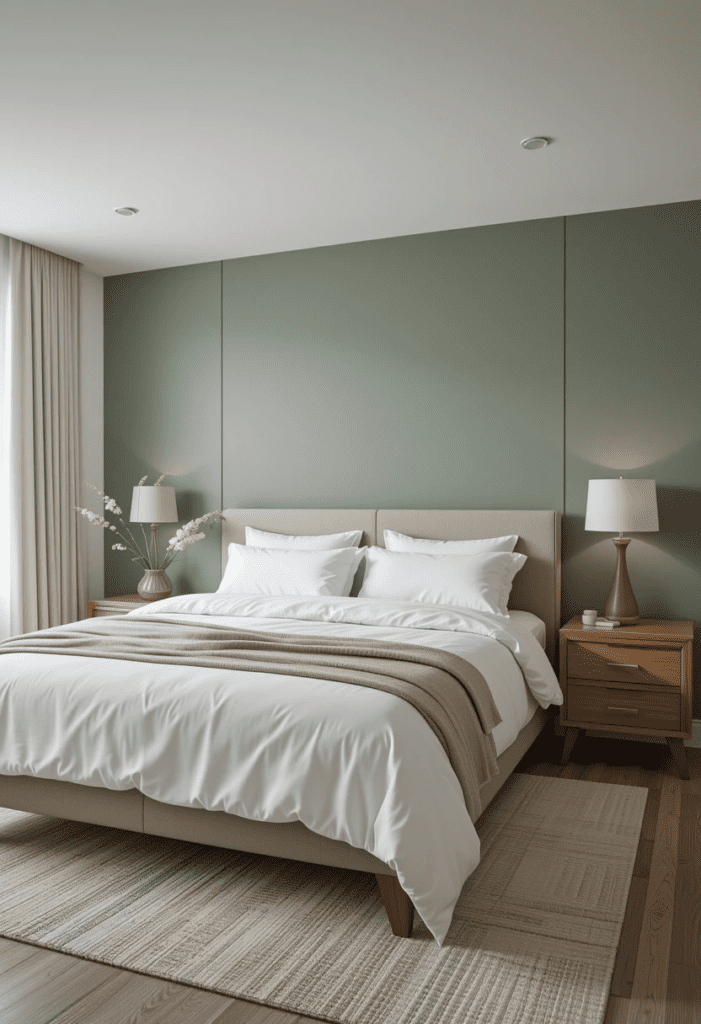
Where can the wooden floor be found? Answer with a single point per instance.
(657, 976)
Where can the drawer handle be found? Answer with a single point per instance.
(625, 711)
(620, 664)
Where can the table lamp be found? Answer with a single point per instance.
(623, 505)
(154, 505)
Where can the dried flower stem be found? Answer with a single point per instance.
(147, 559)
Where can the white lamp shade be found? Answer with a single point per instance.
(622, 506)
(154, 505)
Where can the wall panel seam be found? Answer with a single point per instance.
(564, 365)
(221, 384)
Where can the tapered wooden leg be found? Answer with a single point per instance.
(570, 739)
(398, 906)
(679, 754)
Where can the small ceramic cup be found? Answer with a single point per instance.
(589, 616)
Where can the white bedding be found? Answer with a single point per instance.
(266, 746)
(532, 623)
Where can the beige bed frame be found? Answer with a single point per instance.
(536, 589)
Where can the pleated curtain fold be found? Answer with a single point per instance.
(44, 583)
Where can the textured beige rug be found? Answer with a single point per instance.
(533, 939)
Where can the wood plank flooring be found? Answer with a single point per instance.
(657, 974)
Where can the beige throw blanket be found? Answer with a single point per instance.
(450, 693)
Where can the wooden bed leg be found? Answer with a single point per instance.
(679, 753)
(570, 739)
(398, 906)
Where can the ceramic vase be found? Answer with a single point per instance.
(154, 586)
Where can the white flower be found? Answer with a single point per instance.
(158, 482)
(110, 504)
(180, 545)
(142, 481)
(186, 535)
(93, 517)
(190, 533)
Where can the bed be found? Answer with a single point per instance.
(536, 591)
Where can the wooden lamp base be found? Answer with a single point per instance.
(621, 603)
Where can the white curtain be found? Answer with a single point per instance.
(42, 575)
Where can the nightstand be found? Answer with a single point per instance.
(115, 605)
(634, 680)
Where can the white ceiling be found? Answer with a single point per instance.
(239, 127)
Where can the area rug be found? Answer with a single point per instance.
(533, 938)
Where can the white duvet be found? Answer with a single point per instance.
(351, 763)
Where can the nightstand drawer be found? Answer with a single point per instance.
(647, 709)
(652, 666)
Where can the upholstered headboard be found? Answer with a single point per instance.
(536, 587)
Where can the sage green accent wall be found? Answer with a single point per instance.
(499, 366)
(163, 409)
(423, 371)
(633, 396)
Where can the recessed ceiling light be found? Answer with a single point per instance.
(126, 211)
(537, 142)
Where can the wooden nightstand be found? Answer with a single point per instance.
(115, 605)
(634, 680)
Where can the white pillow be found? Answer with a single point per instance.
(480, 582)
(313, 542)
(273, 571)
(401, 542)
